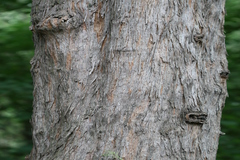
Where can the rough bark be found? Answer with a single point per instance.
(142, 79)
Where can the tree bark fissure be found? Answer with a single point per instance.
(121, 76)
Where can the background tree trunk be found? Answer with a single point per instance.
(118, 77)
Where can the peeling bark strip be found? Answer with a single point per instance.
(113, 77)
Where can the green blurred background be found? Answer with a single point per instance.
(16, 50)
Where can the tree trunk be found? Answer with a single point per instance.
(128, 79)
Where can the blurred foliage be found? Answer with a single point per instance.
(15, 79)
(229, 146)
(16, 82)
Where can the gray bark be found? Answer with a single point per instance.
(130, 79)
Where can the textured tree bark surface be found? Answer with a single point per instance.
(124, 76)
